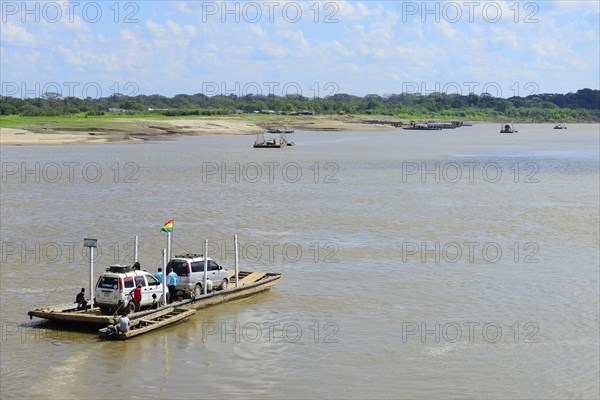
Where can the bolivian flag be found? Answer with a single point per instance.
(168, 226)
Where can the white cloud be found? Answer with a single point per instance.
(24, 59)
(129, 37)
(176, 29)
(340, 49)
(171, 33)
(366, 48)
(17, 35)
(296, 40)
(257, 31)
(351, 10)
(156, 29)
(446, 29)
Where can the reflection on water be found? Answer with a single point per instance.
(398, 269)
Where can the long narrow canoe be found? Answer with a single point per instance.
(147, 323)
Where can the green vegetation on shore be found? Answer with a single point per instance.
(582, 106)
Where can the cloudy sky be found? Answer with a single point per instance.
(315, 48)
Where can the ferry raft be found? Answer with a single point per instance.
(272, 143)
(249, 283)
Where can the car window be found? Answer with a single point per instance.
(151, 280)
(108, 282)
(140, 279)
(198, 266)
(212, 265)
(128, 283)
(179, 266)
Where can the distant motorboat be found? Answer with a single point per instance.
(560, 126)
(280, 130)
(508, 128)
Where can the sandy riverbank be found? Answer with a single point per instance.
(130, 130)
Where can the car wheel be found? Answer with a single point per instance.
(161, 301)
(224, 284)
(131, 307)
(197, 290)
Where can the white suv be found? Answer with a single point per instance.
(190, 272)
(113, 290)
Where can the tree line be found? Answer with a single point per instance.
(583, 105)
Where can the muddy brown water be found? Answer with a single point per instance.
(444, 264)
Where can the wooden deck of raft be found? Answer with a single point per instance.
(249, 284)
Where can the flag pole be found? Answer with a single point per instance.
(91, 277)
(135, 250)
(164, 277)
(237, 260)
(168, 254)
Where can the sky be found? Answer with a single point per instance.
(313, 48)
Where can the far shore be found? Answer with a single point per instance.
(131, 130)
(52, 131)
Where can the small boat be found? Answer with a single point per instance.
(508, 128)
(284, 140)
(147, 323)
(262, 142)
(560, 126)
(280, 130)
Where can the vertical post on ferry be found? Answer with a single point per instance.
(205, 266)
(164, 277)
(168, 254)
(91, 243)
(237, 259)
(135, 249)
(91, 277)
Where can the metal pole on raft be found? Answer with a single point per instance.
(168, 245)
(135, 249)
(164, 277)
(91, 277)
(91, 243)
(205, 266)
(237, 259)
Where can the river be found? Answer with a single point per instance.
(443, 264)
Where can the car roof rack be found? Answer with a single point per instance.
(119, 268)
(189, 255)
